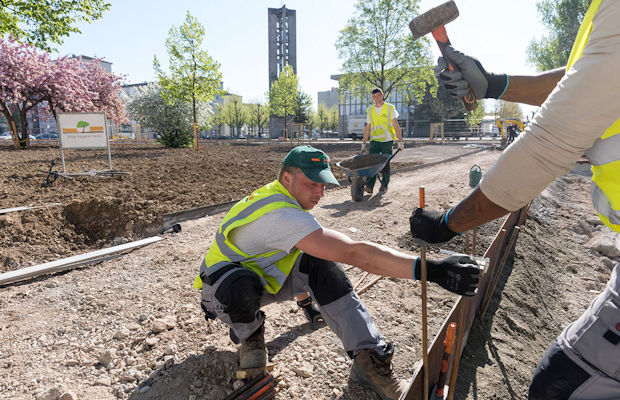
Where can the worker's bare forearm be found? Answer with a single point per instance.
(476, 209)
(534, 89)
(332, 245)
(380, 260)
(366, 133)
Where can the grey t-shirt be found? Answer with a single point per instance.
(280, 229)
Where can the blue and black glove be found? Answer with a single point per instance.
(459, 274)
(430, 227)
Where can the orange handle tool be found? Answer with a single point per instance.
(448, 344)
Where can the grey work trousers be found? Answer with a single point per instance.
(584, 362)
(329, 287)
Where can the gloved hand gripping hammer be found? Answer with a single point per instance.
(433, 22)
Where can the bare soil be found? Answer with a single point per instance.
(132, 327)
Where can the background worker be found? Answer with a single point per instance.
(382, 127)
(269, 248)
(579, 115)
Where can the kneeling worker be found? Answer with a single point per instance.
(269, 248)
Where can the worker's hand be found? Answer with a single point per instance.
(401, 145)
(363, 150)
(458, 274)
(430, 227)
(471, 75)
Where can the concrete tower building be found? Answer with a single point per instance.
(282, 34)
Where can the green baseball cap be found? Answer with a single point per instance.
(313, 162)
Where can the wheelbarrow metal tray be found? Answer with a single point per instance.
(367, 165)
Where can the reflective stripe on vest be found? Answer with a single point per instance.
(604, 155)
(381, 129)
(272, 268)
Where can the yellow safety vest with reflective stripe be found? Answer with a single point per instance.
(381, 129)
(272, 268)
(604, 155)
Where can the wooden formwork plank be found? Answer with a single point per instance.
(464, 310)
(71, 262)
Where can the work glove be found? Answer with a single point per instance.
(459, 274)
(430, 227)
(363, 150)
(471, 75)
(400, 145)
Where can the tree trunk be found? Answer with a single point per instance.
(24, 141)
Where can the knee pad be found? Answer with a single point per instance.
(327, 279)
(241, 293)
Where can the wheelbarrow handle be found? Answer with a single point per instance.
(392, 156)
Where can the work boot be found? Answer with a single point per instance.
(311, 311)
(375, 372)
(252, 352)
(367, 189)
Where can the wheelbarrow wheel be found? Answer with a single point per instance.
(357, 188)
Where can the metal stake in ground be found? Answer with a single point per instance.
(424, 313)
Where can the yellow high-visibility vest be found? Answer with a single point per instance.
(381, 129)
(272, 268)
(604, 155)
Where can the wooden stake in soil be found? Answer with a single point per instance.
(360, 281)
(473, 242)
(457, 351)
(424, 311)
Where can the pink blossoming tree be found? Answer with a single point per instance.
(28, 77)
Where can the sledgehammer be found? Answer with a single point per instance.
(433, 22)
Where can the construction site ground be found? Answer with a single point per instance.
(132, 327)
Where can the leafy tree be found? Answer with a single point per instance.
(303, 108)
(258, 117)
(235, 114)
(332, 119)
(440, 107)
(321, 118)
(41, 23)
(217, 119)
(283, 94)
(29, 78)
(474, 117)
(172, 122)
(508, 110)
(194, 75)
(379, 51)
(562, 19)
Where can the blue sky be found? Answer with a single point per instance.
(495, 31)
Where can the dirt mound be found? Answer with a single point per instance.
(102, 220)
(99, 212)
(363, 161)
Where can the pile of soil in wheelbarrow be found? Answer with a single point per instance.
(363, 161)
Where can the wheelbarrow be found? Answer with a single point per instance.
(360, 168)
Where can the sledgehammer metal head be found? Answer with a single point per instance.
(433, 18)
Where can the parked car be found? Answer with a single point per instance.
(47, 135)
(5, 136)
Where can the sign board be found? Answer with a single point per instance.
(82, 130)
